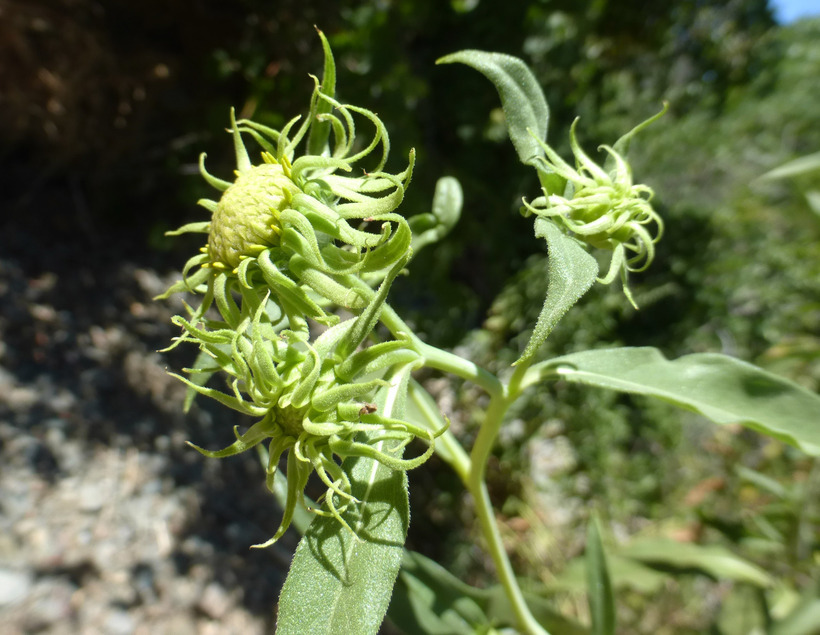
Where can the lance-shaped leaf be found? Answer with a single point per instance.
(599, 588)
(341, 581)
(721, 388)
(429, 599)
(571, 272)
(522, 99)
(796, 167)
(714, 560)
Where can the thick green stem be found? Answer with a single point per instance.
(489, 527)
(439, 359)
(487, 435)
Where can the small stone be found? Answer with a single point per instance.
(119, 622)
(93, 495)
(14, 586)
(215, 601)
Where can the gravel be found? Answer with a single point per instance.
(109, 522)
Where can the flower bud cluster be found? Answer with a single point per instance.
(289, 244)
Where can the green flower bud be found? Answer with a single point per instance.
(246, 220)
(312, 403)
(297, 227)
(600, 206)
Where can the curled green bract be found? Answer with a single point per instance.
(600, 206)
(291, 240)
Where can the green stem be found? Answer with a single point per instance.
(455, 365)
(439, 359)
(499, 403)
(489, 526)
(487, 435)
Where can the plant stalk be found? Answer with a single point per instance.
(477, 486)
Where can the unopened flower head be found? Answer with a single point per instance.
(600, 206)
(299, 225)
(312, 401)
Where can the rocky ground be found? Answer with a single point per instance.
(109, 523)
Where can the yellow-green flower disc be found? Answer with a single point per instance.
(246, 220)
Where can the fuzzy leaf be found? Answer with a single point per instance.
(522, 99)
(571, 272)
(721, 388)
(340, 582)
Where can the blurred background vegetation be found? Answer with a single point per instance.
(105, 107)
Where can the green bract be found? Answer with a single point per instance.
(600, 206)
(288, 242)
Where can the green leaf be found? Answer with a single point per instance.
(721, 388)
(340, 582)
(801, 165)
(714, 560)
(599, 588)
(742, 612)
(522, 99)
(429, 600)
(762, 482)
(624, 572)
(571, 272)
(447, 201)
